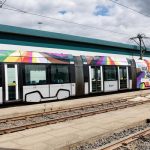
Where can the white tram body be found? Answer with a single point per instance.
(53, 74)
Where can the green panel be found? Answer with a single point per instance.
(24, 43)
(60, 36)
(36, 38)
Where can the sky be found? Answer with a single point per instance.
(99, 15)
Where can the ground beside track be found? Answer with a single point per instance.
(56, 136)
(44, 107)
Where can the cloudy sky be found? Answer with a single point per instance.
(102, 15)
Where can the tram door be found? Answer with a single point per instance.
(11, 82)
(123, 77)
(96, 79)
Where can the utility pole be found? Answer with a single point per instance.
(140, 43)
(2, 2)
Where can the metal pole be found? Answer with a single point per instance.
(141, 44)
(140, 47)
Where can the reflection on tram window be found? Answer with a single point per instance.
(123, 73)
(110, 73)
(35, 74)
(11, 74)
(96, 78)
(59, 74)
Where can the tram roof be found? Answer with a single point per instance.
(60, 36)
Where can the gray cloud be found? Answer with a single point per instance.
(139, 5)
(142, 5)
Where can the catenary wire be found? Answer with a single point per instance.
(11, 8)
(146, 15)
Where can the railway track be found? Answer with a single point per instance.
(14, 124)
(123, 143)
(121, 139)
(141, 143)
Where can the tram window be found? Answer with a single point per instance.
(35, 74)
(110, 73)
(59, 74)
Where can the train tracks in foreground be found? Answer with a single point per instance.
(137, 141)
(14, 124)
(133, 137)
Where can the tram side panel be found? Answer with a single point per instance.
(107, 74)
(61, 85)
(35, 77)
(1, 83)
(133, 74)
(105, 78)
(86, 79)
(143, 73)
(110, 78)
(95, 79)
(62, 81)
(43, 82)
(130, 77)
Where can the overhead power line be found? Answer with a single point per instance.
(11, 8)
(146, 15)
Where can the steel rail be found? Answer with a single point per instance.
(34, 124)
(62, 110)
(126, 140)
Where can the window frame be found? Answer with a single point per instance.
(86, 73)
(31, 84)
(129, 73)
(69, 73)
(2, 79)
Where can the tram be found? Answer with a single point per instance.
(54, 74)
